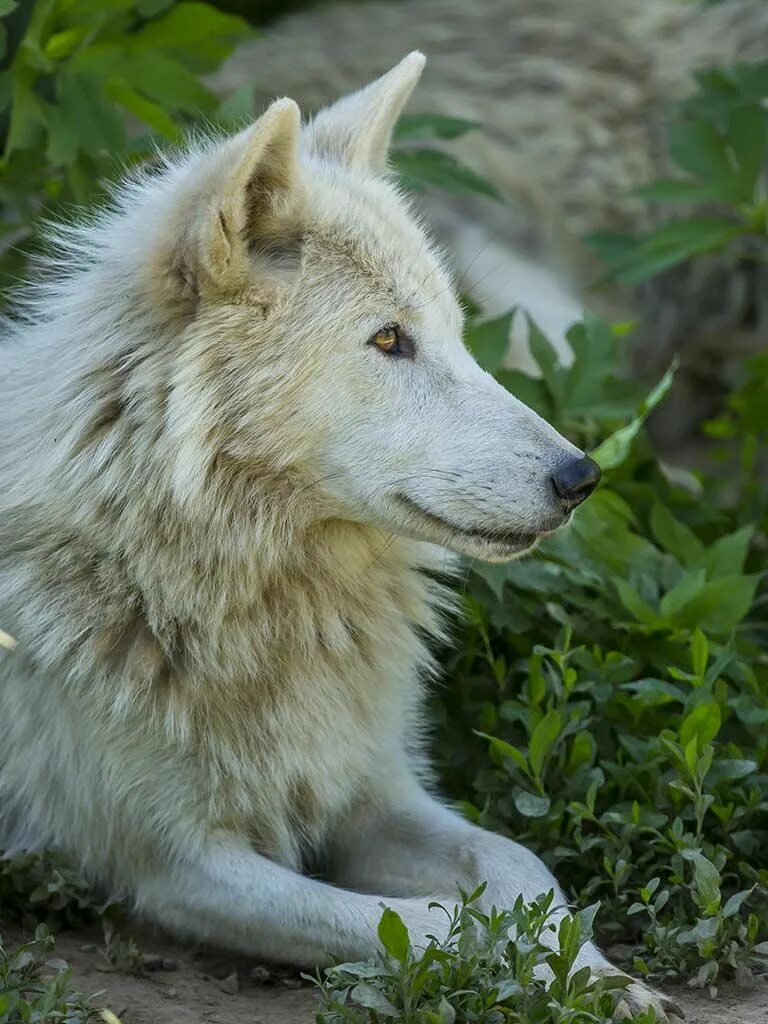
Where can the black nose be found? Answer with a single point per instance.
(576, 480)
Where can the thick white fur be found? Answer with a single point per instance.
(211, 554)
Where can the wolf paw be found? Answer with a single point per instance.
(638, 997)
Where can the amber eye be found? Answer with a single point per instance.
(392, 341)
(385, 339)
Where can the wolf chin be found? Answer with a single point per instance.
(239, 432)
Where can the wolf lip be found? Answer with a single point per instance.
(504, 538)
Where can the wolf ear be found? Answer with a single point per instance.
(357, 130)
(257, 193)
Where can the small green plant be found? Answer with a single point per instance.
(722, 935)
(120, 952)
(491, 968)
(36, 988)
(43, 888)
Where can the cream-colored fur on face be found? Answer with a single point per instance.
(211, 553)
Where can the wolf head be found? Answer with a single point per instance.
(322, 340)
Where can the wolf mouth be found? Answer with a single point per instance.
(514, 539)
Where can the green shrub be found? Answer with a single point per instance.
(37, 989)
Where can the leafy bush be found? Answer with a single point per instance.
(490, 969)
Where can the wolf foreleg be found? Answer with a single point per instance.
(232, 897)
(405, 843)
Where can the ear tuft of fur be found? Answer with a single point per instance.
(257, 193)
(357, 130)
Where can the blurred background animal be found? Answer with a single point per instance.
(571, 99)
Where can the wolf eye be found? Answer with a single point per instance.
(392, 341)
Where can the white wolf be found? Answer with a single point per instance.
(572, 99)
(238, 419)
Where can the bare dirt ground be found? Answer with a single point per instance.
(186, 985)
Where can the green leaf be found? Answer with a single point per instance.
(747, 135)
(531, 805)
(193, 29)
(611, 247)
(703, 724)
(642, 611)
(83, 120)
(690, 235)
(446, 1012)
(432, 126)
(653, 692)
(543, 738)
(546, 358)
(529, 390)
(506, 750)
(489, 342)
(27, 119)
(674, 243)
(61, 44)
(699, 149)
(373, 998)
(721, 604)
(726, 557)
(671, 190)
(699, 652)
(583, 751)
(168, 82)
(143, 109)
(684, 591)
(149, 8)
(616, 448)
(706, 879)
(237, 107)
(730, 770)
(735, 903)
(393, 935)
(419, 169)
(705, 929)
(675, 537)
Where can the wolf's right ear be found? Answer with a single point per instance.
(357, 129)
(257, 195)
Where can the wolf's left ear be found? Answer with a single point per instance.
(357, 130)
(257, 194)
